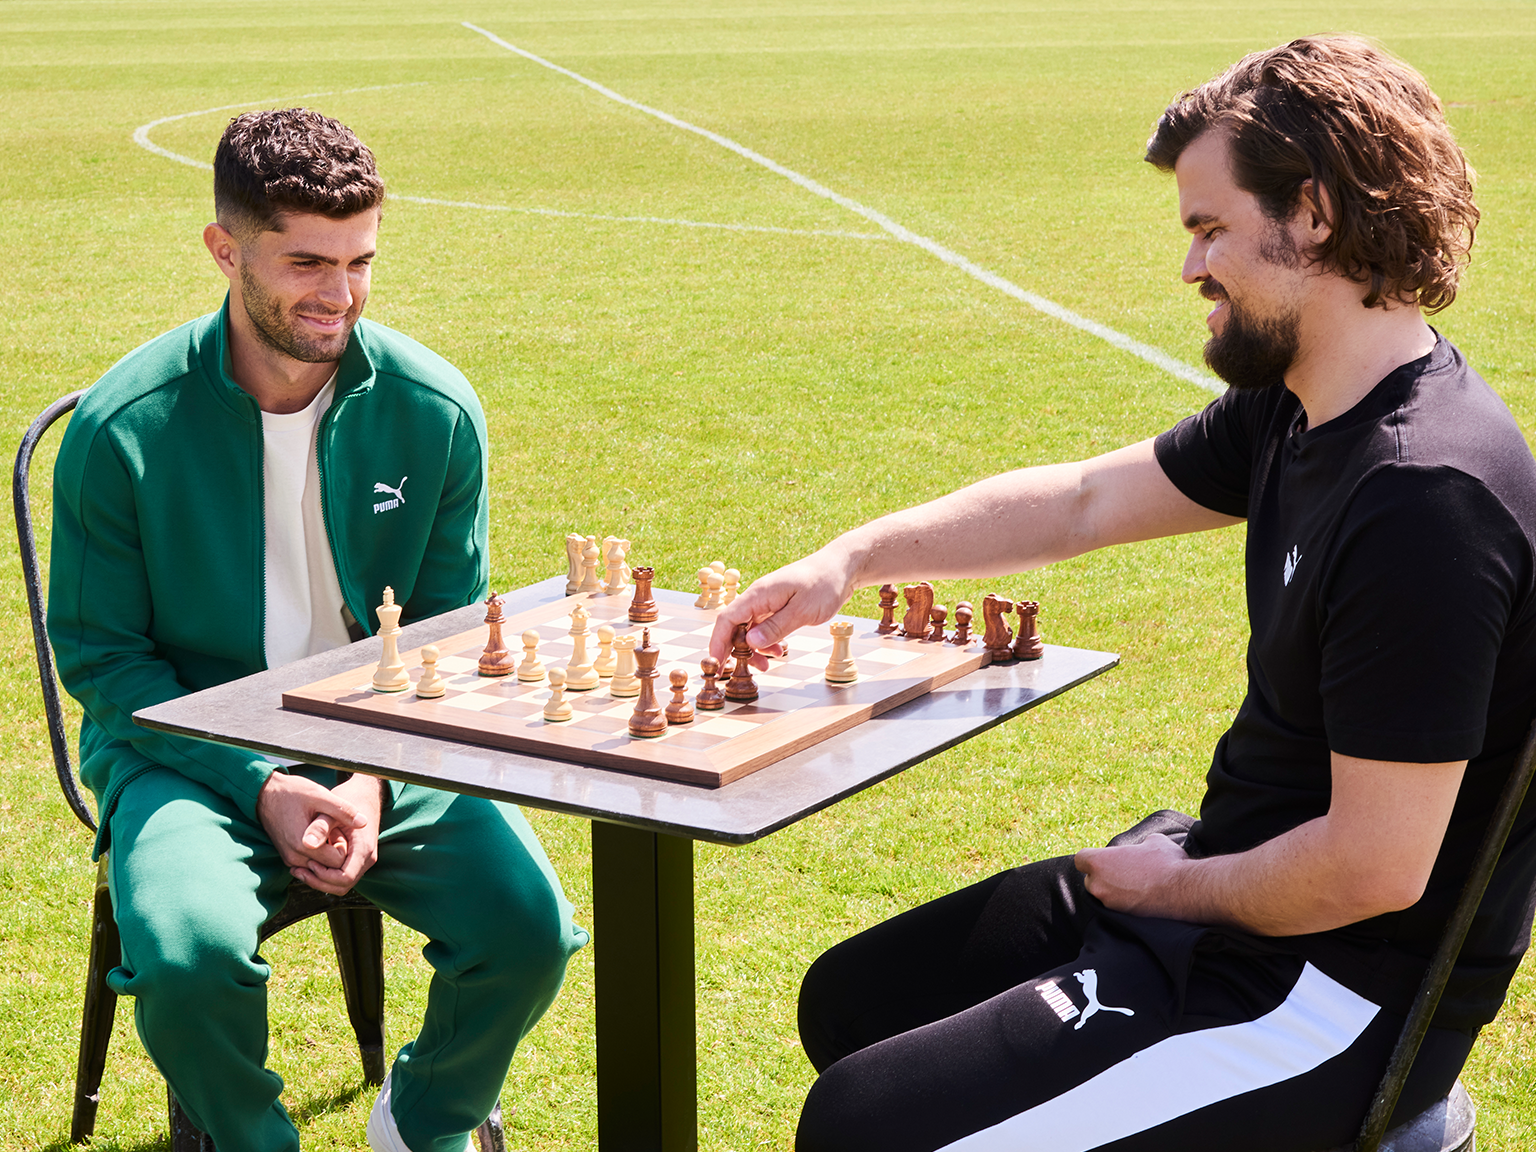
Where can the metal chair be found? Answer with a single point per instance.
(357, 927)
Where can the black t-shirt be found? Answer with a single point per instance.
(1391, 574)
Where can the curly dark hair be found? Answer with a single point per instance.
(292, 160)
(1367, 130)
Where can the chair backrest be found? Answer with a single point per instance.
(27, 540)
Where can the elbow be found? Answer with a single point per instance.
(1383, 890)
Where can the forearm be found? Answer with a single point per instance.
(1302, 881)
(1371, 854)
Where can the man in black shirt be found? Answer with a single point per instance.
(1239, 980)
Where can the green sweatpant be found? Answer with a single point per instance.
(192, 880)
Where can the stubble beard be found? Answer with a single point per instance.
(279, 331)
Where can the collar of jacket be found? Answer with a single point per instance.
(355, 373)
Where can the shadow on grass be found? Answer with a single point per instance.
(302, 1113)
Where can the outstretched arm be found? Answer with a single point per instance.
(1371, 854)
(1004, 524)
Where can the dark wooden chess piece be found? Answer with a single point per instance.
(887, 623)
(647, 718)
(1028, 645)
(679, 711)
(936, 617)
(998, 635)
(963, 615)
(496, 660)
(643, 609)
(919, 597)
(710, 698)
(741, 687)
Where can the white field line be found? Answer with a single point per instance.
(141, 134)
(645, 219)
(141, 138)
(1120, 340)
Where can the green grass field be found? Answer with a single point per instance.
(741, 392)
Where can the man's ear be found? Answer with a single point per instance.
(1314, 208)
(224, 249)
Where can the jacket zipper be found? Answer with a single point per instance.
(325, 515)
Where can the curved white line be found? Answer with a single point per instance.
(141, 138)
(1155, 356)
(141, 133)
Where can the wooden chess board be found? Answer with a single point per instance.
(795, 707)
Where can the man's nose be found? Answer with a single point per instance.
(1194, 262)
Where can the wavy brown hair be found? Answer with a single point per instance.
(1367, 130)
(291, 160)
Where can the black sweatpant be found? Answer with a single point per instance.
(1020, 1014)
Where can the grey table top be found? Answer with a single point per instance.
(249, 713)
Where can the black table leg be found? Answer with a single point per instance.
(647, 1083)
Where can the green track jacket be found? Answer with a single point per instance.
(156, 586)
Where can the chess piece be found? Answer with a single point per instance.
(936, 617)
(1028, 645)
(575, 544)
(557, 707)
(887, 623)
(430, 685)
(614, 563)
(718, 566)
(714, 581)
(531, 670)
(679, 711)
(624, 544)
(495, 660)
(963, 614)
(710, 698)
(647, 718)
(605, 664)
(741, 687)
(390, 676)
(625, 682)
(580, 675)
(919, 598)
(732, 585)
(643, 608)
(998, 636)
(841, 668)
(590, 556)
(703, 588)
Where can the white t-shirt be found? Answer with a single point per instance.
(304, 604)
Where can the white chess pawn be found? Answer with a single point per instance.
(558, 707)
(579, 673)
(732, 585)
(841, 668)
(531, 670)
(625, 682)
(590, 556)
(605, 663)
(703, 588)
(718, 566)
(712, 597)
(430, 685)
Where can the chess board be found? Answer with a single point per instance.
(795, 707)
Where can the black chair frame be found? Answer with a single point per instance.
(357, 926)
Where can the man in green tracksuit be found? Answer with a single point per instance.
(234, 495)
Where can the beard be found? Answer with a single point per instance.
(1251, 352)
(278, 330)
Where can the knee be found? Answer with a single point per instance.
(831, 1119)
(823, 1003)
(188, 968)
(525, 930)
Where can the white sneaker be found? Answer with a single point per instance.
(383, 1134)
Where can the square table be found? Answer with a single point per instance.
(643, 829)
